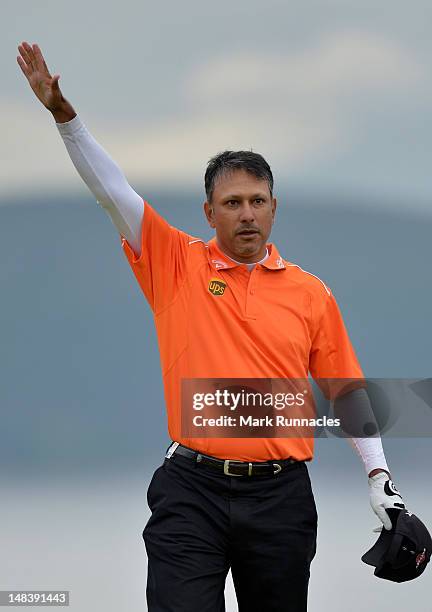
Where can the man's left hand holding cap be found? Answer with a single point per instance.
(384, 496)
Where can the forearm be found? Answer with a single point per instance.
(103, 177)
(355, 408)
(371, 453)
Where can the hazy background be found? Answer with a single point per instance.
(337, 96)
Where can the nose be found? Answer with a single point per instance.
(247, 213)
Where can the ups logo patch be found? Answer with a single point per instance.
(216, 286)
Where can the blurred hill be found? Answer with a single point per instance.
(81, 384)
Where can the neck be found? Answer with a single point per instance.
(250, 263)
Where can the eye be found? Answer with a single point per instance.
(259, 200)
(232, 203)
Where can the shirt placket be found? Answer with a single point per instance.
(251, 311)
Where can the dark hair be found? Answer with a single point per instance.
(227, 161)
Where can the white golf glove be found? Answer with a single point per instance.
(384, 495)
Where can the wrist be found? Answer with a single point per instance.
(377, 471)
(64, 114)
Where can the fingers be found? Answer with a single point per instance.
(23, 66)
(40, 62)
(27, 55)
(26, 62)
(382, 515)
(384, 518)
(33, 59)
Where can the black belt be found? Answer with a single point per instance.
(232, 467)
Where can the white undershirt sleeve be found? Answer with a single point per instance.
(355, 406)
(371, 452)
(105, 180)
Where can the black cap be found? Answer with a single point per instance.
(402, 553)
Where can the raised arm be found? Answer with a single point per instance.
(101, 174)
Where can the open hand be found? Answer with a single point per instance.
(45, 86)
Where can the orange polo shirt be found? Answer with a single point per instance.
(277, 321)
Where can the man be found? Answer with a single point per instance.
(230, 308)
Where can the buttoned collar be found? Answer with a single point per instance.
(220, 261)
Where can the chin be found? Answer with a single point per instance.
(247, 251)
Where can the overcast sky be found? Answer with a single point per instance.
(335, 94)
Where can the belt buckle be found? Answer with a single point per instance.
(226, 467)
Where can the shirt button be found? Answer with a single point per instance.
(252, 291)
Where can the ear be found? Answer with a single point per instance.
(274, 206)
(209, 213)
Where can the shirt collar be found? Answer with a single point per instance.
(220, 261)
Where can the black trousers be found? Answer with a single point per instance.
(203, 523)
